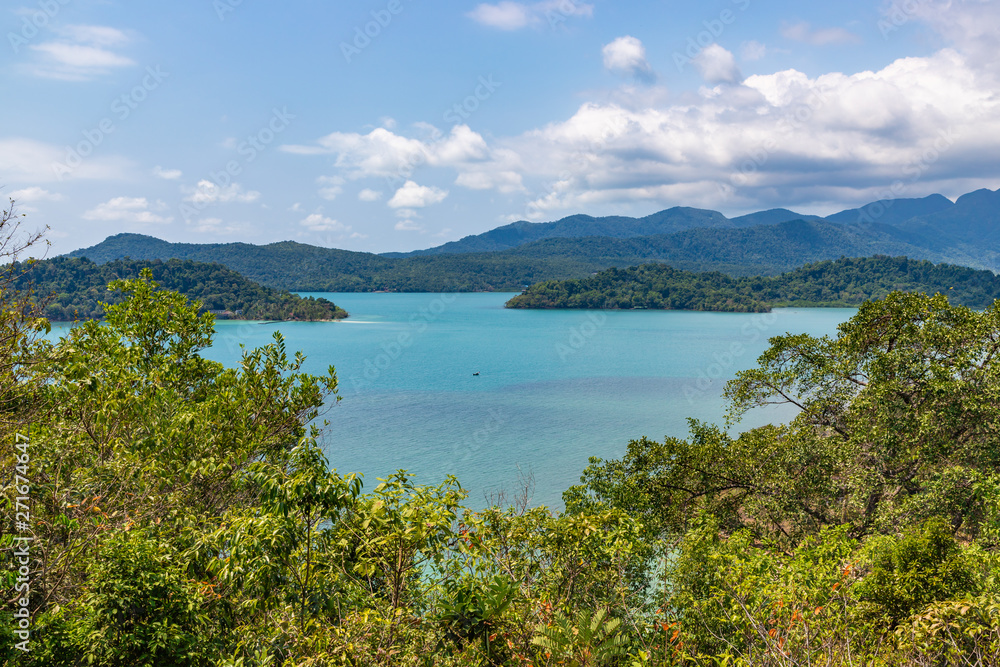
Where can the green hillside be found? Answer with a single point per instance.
(74, 288)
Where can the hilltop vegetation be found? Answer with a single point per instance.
(73, 289)
(843, 282)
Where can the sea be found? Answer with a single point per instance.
(509, 400)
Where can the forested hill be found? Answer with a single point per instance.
(842, 282)
(765, 243)
(759, 250)
(74, 288)
(676, 219)
(305, 268)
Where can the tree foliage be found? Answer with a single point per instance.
(76, 289)
(842, 282)
(182, 513)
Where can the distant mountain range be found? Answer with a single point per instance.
(965, 232)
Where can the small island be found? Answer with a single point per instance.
(72, 289)
(844, 282)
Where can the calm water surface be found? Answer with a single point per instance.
(553, 387)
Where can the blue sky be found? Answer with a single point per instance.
(401, 124)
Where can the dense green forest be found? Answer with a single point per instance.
(161, 509)
(73, 289)
(841, 282)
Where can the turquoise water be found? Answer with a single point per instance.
(554, 387)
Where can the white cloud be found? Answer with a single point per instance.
(717, 65)
(385, 154)
(30, 161)
(207, 192)
(26, 196)
(803, 32)
(626, 55)
(167, 174)
(77, 56)
(378, 153)
(82, 52)
(503, 15)
(317, 222)
(516, 15)
(369, 195)
(128, 209)
(407, 225)
(972, 25)
(34, 194)
(786, 138)
(95, 35)
(753, 50)
(412, 196)
(799, 139)
(333, 186)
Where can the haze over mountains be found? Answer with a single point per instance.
(965, 232)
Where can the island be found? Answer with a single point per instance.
(71, 289)
(844, 282)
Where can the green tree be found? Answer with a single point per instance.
(898, 420)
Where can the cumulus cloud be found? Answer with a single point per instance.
(412, 196)
(383, 153)
(717, 65)
(929, 123)
(803, 32)
(776, 139)
(509, 15)
(81, 52)
(167, 174)
(136, 210)
(369, 195)
(207, 192)
(626, 55)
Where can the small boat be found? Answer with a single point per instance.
(476, 373)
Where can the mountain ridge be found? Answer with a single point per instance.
(965, 232)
